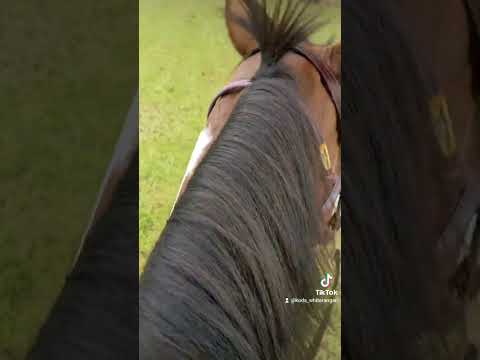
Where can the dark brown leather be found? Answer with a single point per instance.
(330, 209)
(329, 80)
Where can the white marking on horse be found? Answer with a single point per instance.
(203, 142)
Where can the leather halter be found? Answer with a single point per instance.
(331, 206)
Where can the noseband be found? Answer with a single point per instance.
(330, 208)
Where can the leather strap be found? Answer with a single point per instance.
(328, 78)
(233, 87)
(330, 208)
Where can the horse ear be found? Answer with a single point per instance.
(236, 17)
(333, 56)
(336, 59)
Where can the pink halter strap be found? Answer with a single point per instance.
(231, 88)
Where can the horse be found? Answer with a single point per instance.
(410, 194)
(259, 202)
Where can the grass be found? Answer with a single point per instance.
(185, 58)
(176, 84)
(66, 96)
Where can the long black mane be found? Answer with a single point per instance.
(397, 191)
(244, 235)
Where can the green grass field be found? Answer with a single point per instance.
(68, 86)
(185, 58)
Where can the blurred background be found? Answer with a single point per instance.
(68, 73)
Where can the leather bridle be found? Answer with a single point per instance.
(331, 207)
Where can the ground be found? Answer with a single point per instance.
(185, 58)
(69, 80)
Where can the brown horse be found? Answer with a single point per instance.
(259, 198)
(316, 70)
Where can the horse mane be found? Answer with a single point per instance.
(392, 173)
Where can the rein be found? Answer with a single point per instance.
(330, 208)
